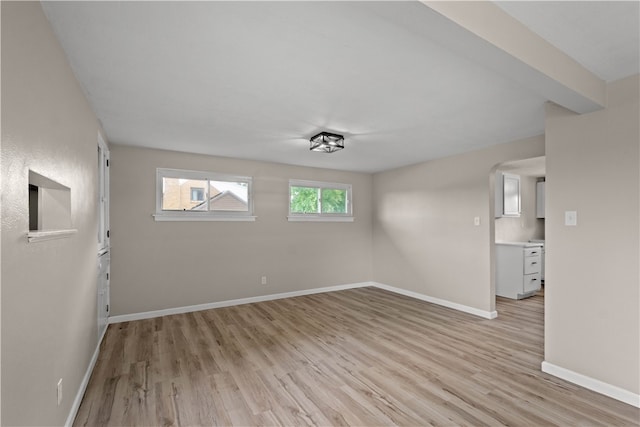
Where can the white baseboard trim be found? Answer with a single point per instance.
(250, 300)
(229, 303)
(592, 384)
(83, 385)
(438, 301)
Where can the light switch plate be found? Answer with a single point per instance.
(570, 218)
(476, 221)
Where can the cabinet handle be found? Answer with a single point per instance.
(533, 263)
(533, 252)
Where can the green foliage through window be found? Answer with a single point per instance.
(334, 200)
(304, 200)
(318, 200)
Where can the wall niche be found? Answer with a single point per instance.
(49, 209)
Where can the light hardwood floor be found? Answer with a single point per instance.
(359, 357)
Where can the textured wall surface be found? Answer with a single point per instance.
(592, 291)
(49, 319)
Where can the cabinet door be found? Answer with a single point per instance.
(511, 192)
(499, 204)
(540, 189)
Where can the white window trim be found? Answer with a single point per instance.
(161, 215)
(206, 217)
(320, 217)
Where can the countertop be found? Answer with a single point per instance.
(521, 244)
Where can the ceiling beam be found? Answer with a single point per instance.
(480, 30)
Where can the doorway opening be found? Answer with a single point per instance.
(518, 232)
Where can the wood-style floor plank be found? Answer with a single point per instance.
(355, 357)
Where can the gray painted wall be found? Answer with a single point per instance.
(592, 291)
(49, 319)
(425, 240)
(158, 265)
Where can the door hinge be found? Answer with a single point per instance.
(108, 233)
(107, 162)
(107, 276)
(107, 308)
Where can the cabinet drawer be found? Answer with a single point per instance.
(532, 252)
(532, 264)
(531, 282)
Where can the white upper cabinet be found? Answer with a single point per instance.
(540, 189)
(508, 198)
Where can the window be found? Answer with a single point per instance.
(319, 201)
(183, 195)
(197, 194)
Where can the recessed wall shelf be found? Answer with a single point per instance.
(49, 209)
(41, 236)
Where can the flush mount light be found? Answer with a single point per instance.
(327, 142)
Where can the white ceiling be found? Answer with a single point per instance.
(601, 35)
(255, 80)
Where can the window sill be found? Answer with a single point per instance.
(185, 218)
(41, 236)
(314, 218)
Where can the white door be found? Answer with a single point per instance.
(104, 255)
(103, 195)
(104, 265)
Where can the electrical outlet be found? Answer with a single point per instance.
(59, 391)
(571, 218)
(264, 280)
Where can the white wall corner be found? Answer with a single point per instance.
(445, 303)
(592, 384)
(83, 385)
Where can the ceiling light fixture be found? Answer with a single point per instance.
(327, 142)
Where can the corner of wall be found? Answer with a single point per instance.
(593, 168)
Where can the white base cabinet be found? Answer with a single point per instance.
(541, 241)
(518, 268)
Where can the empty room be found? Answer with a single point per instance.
(323, 213)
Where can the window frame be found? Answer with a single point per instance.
(166, 215)
(319, 216)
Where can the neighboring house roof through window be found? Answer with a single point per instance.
(223, 201)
